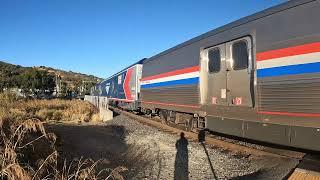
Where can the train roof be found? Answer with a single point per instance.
(247, 19)
(138, 62)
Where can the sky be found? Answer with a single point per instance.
(101, 37)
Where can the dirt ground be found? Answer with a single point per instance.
(89, 141)
(99, 142)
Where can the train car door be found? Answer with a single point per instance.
(239, 72)
(213, 69)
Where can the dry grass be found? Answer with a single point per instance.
(18, 138)
(28, 152)
(96, 118)
(46, 110)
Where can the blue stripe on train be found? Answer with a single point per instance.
(172, 83)
(289, 70)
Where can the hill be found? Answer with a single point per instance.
(72, 79)
(45, 79)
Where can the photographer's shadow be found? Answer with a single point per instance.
(181, 170)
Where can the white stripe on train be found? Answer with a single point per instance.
(172, 78)
(289, 60)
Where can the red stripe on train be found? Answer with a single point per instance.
(179, 105)
(289, 114)
(172, 73)
(290, 51)
(126, 85)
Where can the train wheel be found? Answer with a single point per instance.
(194, 125)
(163, 116)
(191, 124)
(148, 112)
(188, 125)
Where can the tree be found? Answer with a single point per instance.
(36, 80)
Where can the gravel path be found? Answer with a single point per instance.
(173, 157)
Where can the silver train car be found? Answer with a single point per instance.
(256, 78)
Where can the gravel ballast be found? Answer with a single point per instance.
(173, 157)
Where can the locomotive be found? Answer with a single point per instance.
(256, 78)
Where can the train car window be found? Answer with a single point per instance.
(240, 55)
(112, 88)
(119, 79)
(214, 60)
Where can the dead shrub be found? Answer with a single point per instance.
(57, 115)
(15, 140)
(45, 114)
(96, 118)
(28, 152)
(8, 98)
(18, 114)
(59, 110)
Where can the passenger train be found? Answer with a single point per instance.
(256, 78)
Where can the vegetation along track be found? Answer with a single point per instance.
(236, 148)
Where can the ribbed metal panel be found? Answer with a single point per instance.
(185, 95)
(299, 93)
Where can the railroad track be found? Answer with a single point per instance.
(236, 148)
